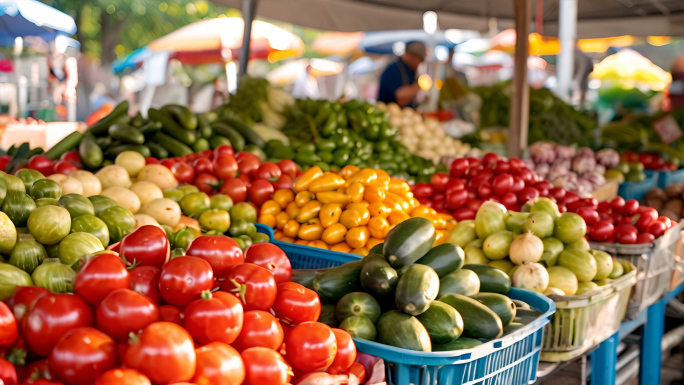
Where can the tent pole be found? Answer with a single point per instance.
(567, 33)
(520, 105)
(248, 11)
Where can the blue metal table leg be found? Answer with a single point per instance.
(650, 358)
(603, 361)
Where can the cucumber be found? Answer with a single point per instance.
(479, 321)
(104, 142)
(304, 277)
(127, 134)
(377, 249)
(149, 129)
(357, 304)
(520, 304)
(442, 322)
(67, 144)
(403, 331)
(511, 327)
(218, 140)
(500, 304)
(378, 278)
(359, 326)
(464, 282)
(458, 344)
(204, 128)
(333, 283)
(492, 280)
(525, 316)
(444, 258)
(416, 289)
(408, 241)
(171, 128)
(90, 153)
(113, 151)
(157, 150)
(138, 121)
(328, 316)
(100, 128)
(173, 146)
(236, 139)
(249, 134)
(182, 114)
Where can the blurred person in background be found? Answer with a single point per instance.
(398, 81)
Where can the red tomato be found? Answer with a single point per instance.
(225, 167)
(288, 167)
(164, 353)
(8, 374)
(206, 183)
(260, 191)
(474, 204)
(357, 370)
(647, 216)
(272, 258)
(463, 214)
(122, 376)
(526, 194)
(82, 355)
(502, 167)
(101, 276)
(667, 221)
(627, 237)
(439, 181)
(502, 184)
(267, 170)
(311, 346)
(284, 182)
(518, 184)
(453, 185)
(213, 318)
(223, 150)
(457, 199)
(168, 163)
(51, 317)
(40, 163)
(145, 280)
(296, 304)
(124, 311)
(221, 252)
(423, 190)
(235, 189)
(261, 329)
(183, 279)
(71, 156)
(246, 179)
(265, 366)
(247, 162)
(425, 202)
(458, 167)
(64, 167)
(23, 300)
(203, 166)
(647, 238)
(490, 159)
(346, 352)
(656, 228)
(8, 327)
(589, 215)
(170, 313)
(253, 284)
(617, 204)
(183, 172)
(601, 231)
(208, 154)
(146, 246)
(218, 363)
(526, 175)
(4, 161)
(630, 207)
(151, 160)
(484, 191)
(509, 200)
(557, 192)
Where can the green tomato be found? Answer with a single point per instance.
(195, 204)
(76, 245)
(28, 176)
(217, 220)
(240, 242)
(27, 254)
(18, 206)
(238, 227)
(260, 238)
(221, 202)
(243, 210)
(49, 224)
(10, 278)
(101, 203)
(184, 237)
(188, 188)
(3, 190)
(174, 194)
(45, 188)
(120, 222)
(92, 225)
(77, 205)
(47, 202)
(247, 240)
(14, 183)
(54, 276)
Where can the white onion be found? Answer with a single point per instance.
(531, 276)
(526, 248)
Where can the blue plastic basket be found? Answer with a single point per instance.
(631, 190)
(305, 257)
(666, 178)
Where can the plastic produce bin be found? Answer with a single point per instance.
(655, 265)
(666, 178)
(631, 190)
(678, 273)
(582, 321)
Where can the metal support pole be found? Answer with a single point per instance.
(651, 353)
(248, 11)
(520, 105)
(567, 34)
(603, 361)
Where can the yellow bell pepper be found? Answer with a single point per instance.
(318, 244)
(302, 183)
(330, 214)
(342, 247)
(291, 228)
(372, 242)
(292, 210)
(357, 237)
(278, 235)
(309, 211)
(348, 171)
(362, 251)
(420, 211)
(326, 182)
(450, 224)
(378, 209)
(334, 234)
(362, 210)
(400, 200)
(413, 202)
(378, 227)
(281, 219)
(441, 237)
(311, 230)
(350, 218)
(393, 203)
(355, 192)
(364, 176)
(267, 219)
(383, 175)
(439, 223)
(303, 242)
(270, 207)
(399, 186)
(373, 194)
(445, 216)
(396, 217)
(332, 197)
(431, 211)
(303, 197)
(283, 196)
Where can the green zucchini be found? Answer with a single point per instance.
(458, 344)
(304, 277)
(442, 322)
(104, 142)
(249, 134)
(90, 153)
(403, 331)
(492, 280)
(359, 326)
(127, 134)
(377, 249)
(236, 139)
(149, 129)
(408, 241)
(172, 128)
(67, 144)
(113, 151)
(511, 327)
(173, 146)
(157, 150)
(333, 283)
(328, 316)
(520, 304)
(525, 316)
(443, 258)
(100, 128)
(479, 321)
(204, 128)
(358, 304)
(464, 282)
(182, 114)
(416, 289)
(500, 304)
(378, 278)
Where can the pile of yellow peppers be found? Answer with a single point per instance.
(348, 212)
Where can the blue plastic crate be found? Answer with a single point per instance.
(305, 257)
(666, 178)
(631, 190)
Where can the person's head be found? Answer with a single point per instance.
(414, 54)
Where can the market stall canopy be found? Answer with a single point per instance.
(20, 18)
(539, 45)
(289, 72)
(219, 40)
(597, 18)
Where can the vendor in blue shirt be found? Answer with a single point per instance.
(398, 81)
